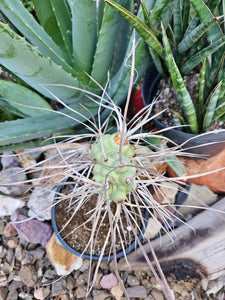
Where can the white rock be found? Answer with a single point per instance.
(9, 204)
(10, 179)
(153, 228)
(40, 203)
(198, 196)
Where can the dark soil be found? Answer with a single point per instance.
(78, 239)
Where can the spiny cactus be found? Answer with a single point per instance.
(111, 169)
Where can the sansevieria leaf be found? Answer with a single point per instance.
(182, 94)
(210, 109)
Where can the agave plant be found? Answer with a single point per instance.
(83, 44)
(182, 36)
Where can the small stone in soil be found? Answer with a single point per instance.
(42, 293)
(137, 292)
(100, 295)
(117, 291)
(108, 281)
(33, 230)
(132, 280)
(28, 275)
(12, 295)
(59, 287)
(9, 204)
(12, 176)
(81, 291)
(10, 231)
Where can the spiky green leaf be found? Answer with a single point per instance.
(32, 31)
(193, 61)
(23, 100)
(180, 88)
(210, 109)
(147, 34)
(193, 36)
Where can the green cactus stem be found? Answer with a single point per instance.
(110, 170)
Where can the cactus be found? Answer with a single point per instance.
(110, 171)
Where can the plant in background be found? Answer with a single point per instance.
(84, 44)
(183, 36)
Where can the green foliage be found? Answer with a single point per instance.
(81, 44)
(108, 170)
(183, 36)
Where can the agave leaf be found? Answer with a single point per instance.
(183, 96)
(193, 36)
(40, 127)
(84, 35)
(210, 109)
(147, 34)
(104, 55)
(201, 55)
(29, 64)
(24, 100)
(55, 18)
(199, 100)
(119, 84)
(29, 28)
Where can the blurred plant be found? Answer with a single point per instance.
(183, 36)
(81, 43)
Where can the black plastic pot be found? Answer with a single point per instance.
(208, 144)
(87, 256)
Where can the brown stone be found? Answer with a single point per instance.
(63, 260)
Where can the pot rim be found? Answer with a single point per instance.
(110, 257)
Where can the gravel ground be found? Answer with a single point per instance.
(26, 273)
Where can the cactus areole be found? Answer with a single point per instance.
(114, 171)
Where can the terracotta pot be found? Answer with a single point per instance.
(208, 144)
(214, 181)
(87, 256)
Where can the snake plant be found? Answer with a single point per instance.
(183, 36)
(75, 52)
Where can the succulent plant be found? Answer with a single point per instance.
(75, 46)
(182, 36)
(112, 170)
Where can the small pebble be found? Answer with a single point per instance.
(70, 283)
(28, 275)
(108, 281)
(12, 295)
(157, 295)
(100, 295)
(137, 292)
(12, 243)
(117, 291)
(42, 293)
(10, 230)
(11, 176)
(81, 291)
(59, 287)
(132, 280)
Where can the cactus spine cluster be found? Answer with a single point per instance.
(109, 170)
